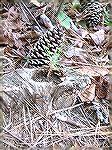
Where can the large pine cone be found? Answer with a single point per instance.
(50, 41)
(92, 11)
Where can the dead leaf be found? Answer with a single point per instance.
(46, 22)
(7, 50)
(93, 70)
(102, 87)
(88, 94)
(30, 35)
(84, 33)
(2, 38)
(74, 51)
(98, 37)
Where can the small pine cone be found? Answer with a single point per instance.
(92, 11)
(50, 41)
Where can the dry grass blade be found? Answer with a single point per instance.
(25, 120)
(30, 120)
(31, 15)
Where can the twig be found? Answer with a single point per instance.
(31, 15)
(24, 116)
(30, 122)
(64, 109)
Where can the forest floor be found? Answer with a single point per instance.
(55, 78)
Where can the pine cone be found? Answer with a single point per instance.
(92, 11)
(50, 41)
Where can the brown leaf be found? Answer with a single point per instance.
(98, 37)
(74, 51)
(84, 33)
(102, 87)
(93, 70)
(30, 35)
(46, 22)
(88, 94)
(2, 38)
(7, 50)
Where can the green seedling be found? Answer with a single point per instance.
(54, 57)
(107, 20)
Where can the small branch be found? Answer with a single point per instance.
(31, 15)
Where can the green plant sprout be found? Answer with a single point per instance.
(107, 20)
(54, 57)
